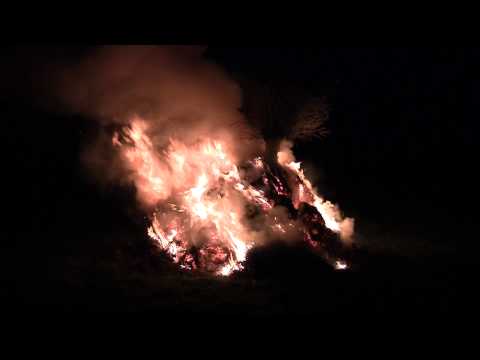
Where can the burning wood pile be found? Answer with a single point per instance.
(207, 211)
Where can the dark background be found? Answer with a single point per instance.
(400, 158)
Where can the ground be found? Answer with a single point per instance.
(122, 272)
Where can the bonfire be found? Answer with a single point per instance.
(208, 211)
(211, 161)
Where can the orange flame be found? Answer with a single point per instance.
(330, 212)
(207, 190)
(198, 198)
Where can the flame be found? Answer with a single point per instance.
(197, 198)
(202, 227)
(306, 193)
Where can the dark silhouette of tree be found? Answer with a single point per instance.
(283, 111)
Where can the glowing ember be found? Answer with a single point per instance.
(340, 265)
(199, 197)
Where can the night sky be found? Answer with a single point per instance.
(400, 156)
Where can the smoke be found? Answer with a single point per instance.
(174, 89)
(174, 86)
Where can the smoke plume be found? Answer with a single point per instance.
(174, 89)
